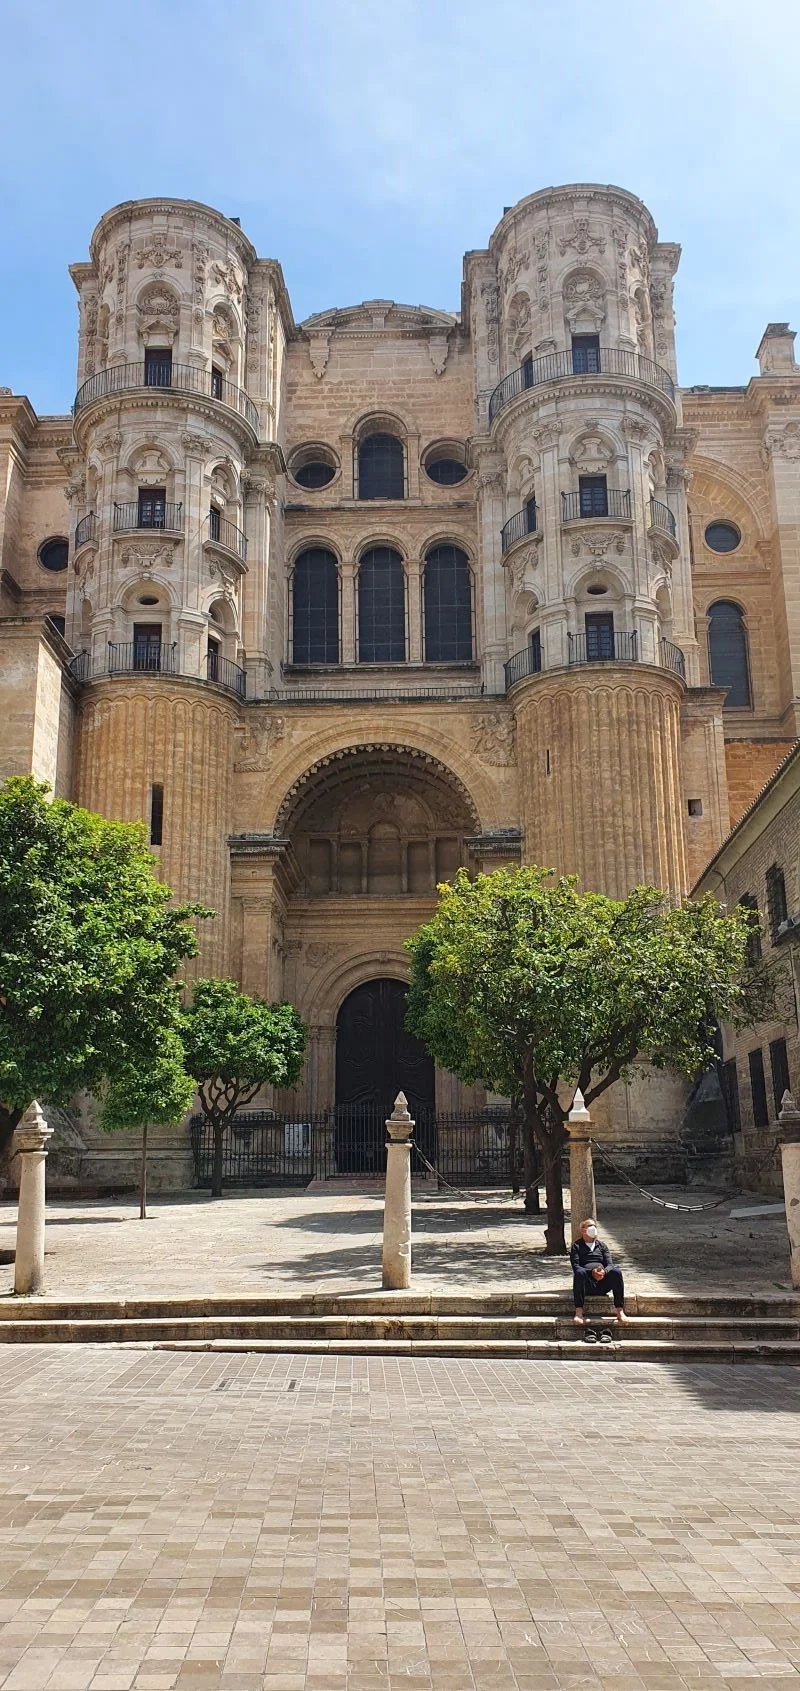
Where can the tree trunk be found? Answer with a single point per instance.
(552, 1145)
(216, 1173)
(530, 1161)
(143, 1178)
(8, 1124)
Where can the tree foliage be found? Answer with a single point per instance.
(234, 1045)
(89, 949)
(523, 982)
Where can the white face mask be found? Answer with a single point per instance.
(591, 1232)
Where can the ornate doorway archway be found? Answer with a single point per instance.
(376, 1057)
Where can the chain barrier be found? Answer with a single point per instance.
(456, 1190)
(668, 1203)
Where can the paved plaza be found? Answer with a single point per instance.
(344, 1524)
(330, 1241)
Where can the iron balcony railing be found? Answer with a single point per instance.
(165, 515)
(129, 657)
(225, 673)
(180, 378)
(577, 505)
(661, 517)
(601, 646)
(85, 529)
(523, 522)
(225, 533)
(559, 366)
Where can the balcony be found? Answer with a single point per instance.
(221, 532)
(133, 657)
(563, 366)
(174, 378)
(575, 507)
(523, 522)
(661, 518)
(155, 514)
(86, 530)
(602, 646)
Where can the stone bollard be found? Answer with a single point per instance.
(397, 1202)
(581, 1170)
(30, 1140)
(789, 1119)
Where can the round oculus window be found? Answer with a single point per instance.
(722, 537)
(446, 471)
(597, 591)
(53, 554)
(147, 599)
(316, 473)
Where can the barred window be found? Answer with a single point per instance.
(381, 467)
(776, 899)
(381, 607)
(447, 600)
(779, 1063)
(758, 1088)
(727, 653)
(729, 1083)
(315, 607)
(750, 904)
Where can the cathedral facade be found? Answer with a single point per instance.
(336, 606)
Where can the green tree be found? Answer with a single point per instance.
(157, 1096)
(89, 948)
(234, 1045)
(523, 982)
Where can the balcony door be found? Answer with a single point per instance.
(585, 355)
(599, 635)
(152, 507)
(593, 496)
(158, 367)
(147, 645)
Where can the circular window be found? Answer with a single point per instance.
(147, 599)
(446, 471)
(53, 554)
(597, 591)
(313, 466)
(314, 474)
(722, 537)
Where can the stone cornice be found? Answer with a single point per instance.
(18, 417)
(193, 211)
(122, 403)
(530, 400)
(593, 195)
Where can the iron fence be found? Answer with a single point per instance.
(523, 522)
(155, 373)
(596, 502)
(662, 517)
(152, 513)
(558, 366)
(225, 672)
(85, 529)
(293, 1147)
(224, 533)
(603, 645)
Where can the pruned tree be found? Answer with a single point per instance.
(159, 1095)
(523, 982)
(234, 1045)
(89, 948)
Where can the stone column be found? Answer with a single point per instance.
(348, 634)
(789, 1120)
(414, 594)
(397, 1202)
(30, 1141)
(581, 1172)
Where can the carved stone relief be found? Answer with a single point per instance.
(158, 254)
(200, 266)
(438, 348)
(597, 543)
(493, 739)
(785, 443)
(584, 301)
(228, 276)
(516, 262)
(122, 277)
(491, 309)
(147, 558)
(256, 740)
(580, 238)
(319, 347)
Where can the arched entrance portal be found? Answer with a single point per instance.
(376, 1057)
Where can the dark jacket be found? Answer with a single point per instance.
(582, 1256)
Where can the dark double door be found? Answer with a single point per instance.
(375, 1059)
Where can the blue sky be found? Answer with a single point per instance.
(368, 144)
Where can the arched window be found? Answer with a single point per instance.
(381, 607)
(727, 649)
(315, 607)
(447, 599)
(381, 467)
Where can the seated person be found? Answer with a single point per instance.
(594, 1272)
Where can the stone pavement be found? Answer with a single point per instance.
(286, 1524)
(330, 1241)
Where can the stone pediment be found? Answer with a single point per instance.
(381, 317)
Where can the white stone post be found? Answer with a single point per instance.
(397, 1202)
(582, 1199)
(789, 1119)
(30, 1140)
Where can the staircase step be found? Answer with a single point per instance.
(391, 1305)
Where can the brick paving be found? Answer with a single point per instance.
(223, 1523)
(330, 1241)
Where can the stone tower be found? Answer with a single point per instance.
(582, 492)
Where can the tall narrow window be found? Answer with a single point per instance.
(217, 380)
(212, 660)
(447, 599)
(777, 908)
(156, 814)
(535, 649)
(593, 496)
(158, 367)
(381, 467)
(758, 1088)
(213, 522)
(727, 652)
(585, 354)
(315, 607)
(729, 1083)
(527, 371)
(381, 607)
(750, 904)
(779, 1064)
(152, 507)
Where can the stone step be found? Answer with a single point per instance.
(475, 1305)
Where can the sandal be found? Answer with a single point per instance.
(590, 1336)
(606, 1338)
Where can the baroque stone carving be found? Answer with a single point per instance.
(110, 442)
(620, 235)
(785, 443)
(147, 558)
(90, 311)
(256, 740)
(517, 261)
(122, 277)
(597, 543)
(584, 300)
(493, 738)
(546, 434)
(227, 276)
(634, 428)
(158, 254)
(542, 250)
(157, 301)
(491, 311)
(195, 443)
(580, 238)
(200, 266)
(438, 348)
(319, 952)
(319, 347)
(75, 491)
(519, 564)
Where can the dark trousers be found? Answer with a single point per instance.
(584, 1285)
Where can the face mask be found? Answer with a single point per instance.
(591, 1232)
